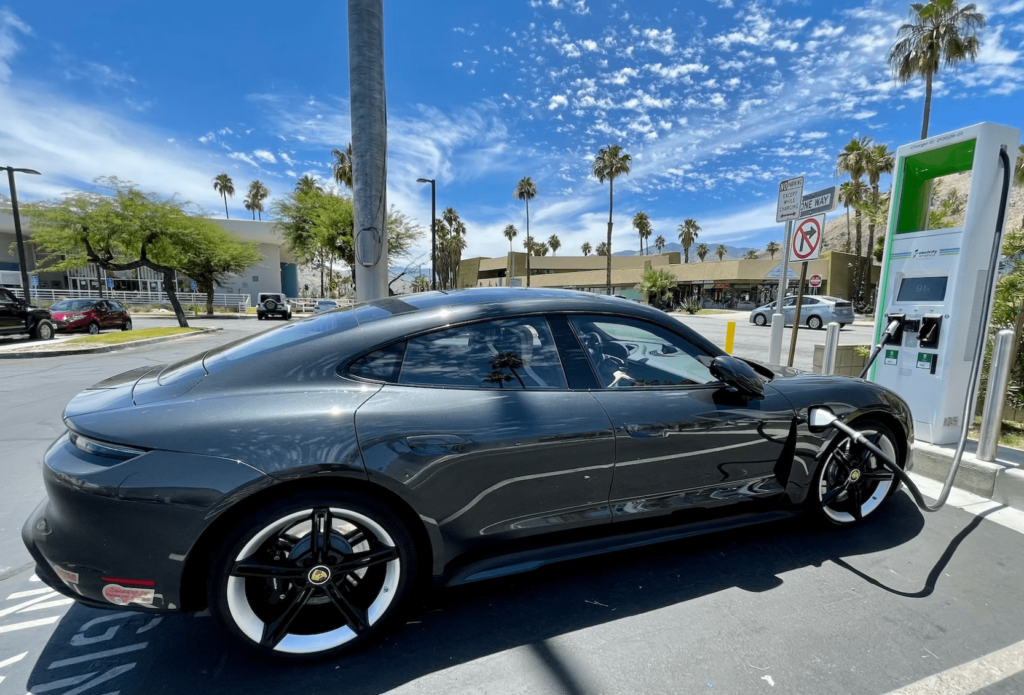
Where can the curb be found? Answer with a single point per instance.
(105, 348)
(201, 317)
(1001, 481)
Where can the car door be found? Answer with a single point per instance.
(683, 440)
(477, 426)
(788, 311)
(10, 315)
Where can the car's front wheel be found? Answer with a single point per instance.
(42, 331)
(94, 328)
(127, 325)
(314, 574)
(851, 483)
(814, 322)
(760, 320)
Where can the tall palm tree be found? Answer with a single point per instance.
(851, 194)
(642, 225)
(530, 247)
(258, 192)
(939, 33)
(853, 160)
(223, 184)
(751, 255)
(250, 205)
(610, 163)
(510, 233)
(586, 248)
(689, 230)
(721, 251)
(702, 251)
(541, 248)
(526, 190)
(879, 160)
(602, 249)
(659, 243)
(342, 166)
(773, 248)
(307, 184)
(555, 243)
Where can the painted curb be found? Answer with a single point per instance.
(1000, 481)
(105, 348)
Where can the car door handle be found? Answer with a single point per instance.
(435, 440)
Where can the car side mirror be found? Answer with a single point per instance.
(738, 375)
(820, 418)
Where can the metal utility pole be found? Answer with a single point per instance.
(775, 346)
(369, 146)
(433, 230)
(19, 239)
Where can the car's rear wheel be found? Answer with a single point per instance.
(313, 575)
(93, 328)
(127, 325)
(760, 320)
(42, 331)
(260, 316)
(851, 483)
(814, 322)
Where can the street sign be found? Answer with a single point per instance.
(806, 243)
(110, 283)
(815, 280)
(825, 200)
(194, 286)
(791, 193)
(35, 281)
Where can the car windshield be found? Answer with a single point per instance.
(74, 305)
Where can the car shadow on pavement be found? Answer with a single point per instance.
(188, 653)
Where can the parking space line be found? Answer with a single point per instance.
(48, 604)
(30, 592)
(26, 604)
(98, 655)
(1009, 517)
(63, 683)
(13, 659)
(972, 676)
(28, 623)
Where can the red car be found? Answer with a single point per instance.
(91, 315)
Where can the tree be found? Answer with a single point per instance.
(773, 248)
(510, 233)
(249, 205)
(689, 230)
(214, 256)
(125, 230)
(526, 190)
(540, 249)
(257, 193)
(656, 281)
(878, 160)
(851, 193)
(451, 242)
(342, 166)
(224, 186)
(751, 255)
(659, 242)
(421, 283)
(939, 33)
(602, 249)
(586, 248)
(307, 184)
(642, 225)
(721, 251)
(853, 160)
(702, 252)
(610, 163)
(554, 243)
(529, 245)
(1018, 172)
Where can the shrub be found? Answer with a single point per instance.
(691, 305)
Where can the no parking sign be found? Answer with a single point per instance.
(805, 244)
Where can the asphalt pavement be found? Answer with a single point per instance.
(787, 607)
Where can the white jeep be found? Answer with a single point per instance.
(273, 304)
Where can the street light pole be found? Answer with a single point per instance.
(25, 286)
(433, 230)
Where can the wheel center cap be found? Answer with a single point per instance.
(854, 475)
(319, 575)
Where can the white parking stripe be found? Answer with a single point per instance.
(31, 592)
(29, 623)
(995, 512)
(13, 660)
(98, 655)
(35, 578)
(972, 676)
(48, 604)
(26, 604)
(63, 683)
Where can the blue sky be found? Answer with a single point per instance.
(717, 101)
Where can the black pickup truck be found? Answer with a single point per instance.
(17, 316)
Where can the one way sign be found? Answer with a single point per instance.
(806, 242)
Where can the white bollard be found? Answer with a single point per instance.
(775, 348)
(828, 363)
(995, 395)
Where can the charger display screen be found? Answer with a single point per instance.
(918, 290)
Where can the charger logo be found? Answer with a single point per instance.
(930, 253)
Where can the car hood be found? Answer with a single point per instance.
(139, 387)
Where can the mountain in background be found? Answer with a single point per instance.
(732, 252)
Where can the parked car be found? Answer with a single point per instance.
(816, 311)
(17, 316)
(303, 482)
(91, 315)
(273, 304)
(324, 305)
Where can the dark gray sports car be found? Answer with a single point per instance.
(302, 482)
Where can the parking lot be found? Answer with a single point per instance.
(782, 608)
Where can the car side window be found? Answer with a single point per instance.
(380, 365)
(6, 296)
(809, 301)
(791, 301)
(512, 354)
(629, 353)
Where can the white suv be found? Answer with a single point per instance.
(273, 304)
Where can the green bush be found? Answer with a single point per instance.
(691, 305)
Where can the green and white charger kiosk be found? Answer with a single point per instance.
(936, 282)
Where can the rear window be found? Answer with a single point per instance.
(289, 334)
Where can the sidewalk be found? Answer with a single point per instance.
(1001, 481)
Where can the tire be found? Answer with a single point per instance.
(760, 320)
(837, 493)
(330, 610)
(270, 305)
(260, 316)
(127, 325)
(94, 328)
(43, 330)
(814, 322)
(288, 316)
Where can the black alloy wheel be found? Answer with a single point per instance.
(851, 483)
(313, 575)
(814, 322)
(94, 328)
(760, 320)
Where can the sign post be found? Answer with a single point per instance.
(791, 193)
(796, 316)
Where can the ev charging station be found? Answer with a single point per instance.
(938, 284)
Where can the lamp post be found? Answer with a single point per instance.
(26, 288)
(433, 231)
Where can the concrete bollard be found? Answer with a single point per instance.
(775, 347)
(828, 362)
(995, 395)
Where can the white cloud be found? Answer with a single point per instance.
(570, 50)
(225, 131)
(661, 41)
(814, 135)
(243, 157)
(264, 156)
(589, 44)
(557, 102)
(621, 76)
(786, 45)
(672, 73)
(208, 138)
(10, 27)
(862, 115)
(457, 64)
(827, 31)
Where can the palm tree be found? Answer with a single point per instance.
(307, 184)
(702, 252)
(659, 242)
(751, 255)
(853, 160)
(586, 248)
(610, 163)
(689, 230)
(250, 205)
(223, 184)
(1018, 171)
(879, 160)
(940, 32)
(555, 243)
(773, 248)
(643, 227)
(602, 249)
(721, 251)
(540, 248)
(257, 194)
(342, 166)
(526, 190)
(510, 233)
(850, 193)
